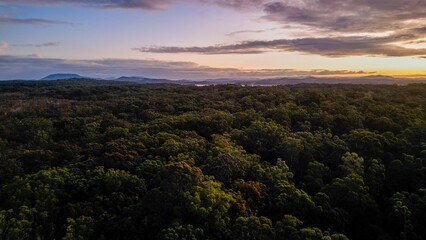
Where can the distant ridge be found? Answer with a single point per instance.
(378, 77)
(373, 79)
(59, 76)
(144, 80)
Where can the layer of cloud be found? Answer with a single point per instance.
(13, 67)
(327, 46)
(344, 16)
(337, 28)
(39, 45)
(37, 21)
(348, 15)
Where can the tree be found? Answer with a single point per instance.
(181, 233)
(352, 163)
(288, 199)
(208, 205)
(315, 175)
(228, 161)
(37, 197)
(79, 229)
(253, 228)
(8, 169)
(288, 228)
(375, 177)
(265, 139)
(365, 143)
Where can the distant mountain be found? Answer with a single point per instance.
(144, 80)
(378, 77)
(374, 79)
(59, 76)
(386, 80)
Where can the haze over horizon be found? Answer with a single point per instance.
(188, 39)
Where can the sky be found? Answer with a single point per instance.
(201, 39)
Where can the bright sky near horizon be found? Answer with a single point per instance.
(197, 39)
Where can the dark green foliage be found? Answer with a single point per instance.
(106, 160)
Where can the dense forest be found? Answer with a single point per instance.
(83, 159)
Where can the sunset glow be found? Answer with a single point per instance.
(180, 39)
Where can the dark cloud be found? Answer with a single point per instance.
(12, 67)
(331, 46)
(348, 15)
(9, 20)
(243, 32)
(343, 15)
(48, 44)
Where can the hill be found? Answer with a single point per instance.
(59, 76)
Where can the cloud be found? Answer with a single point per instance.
(37, 21)
(335, 28)
(14, 67)
(48, 44)
(243, 32)
(348, 15)
(327, 46)
(342, 16)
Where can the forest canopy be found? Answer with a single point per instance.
(83, 159)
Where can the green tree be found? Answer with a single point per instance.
(352, 163)
(251, 228)
(79, 229)
(208, 205)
